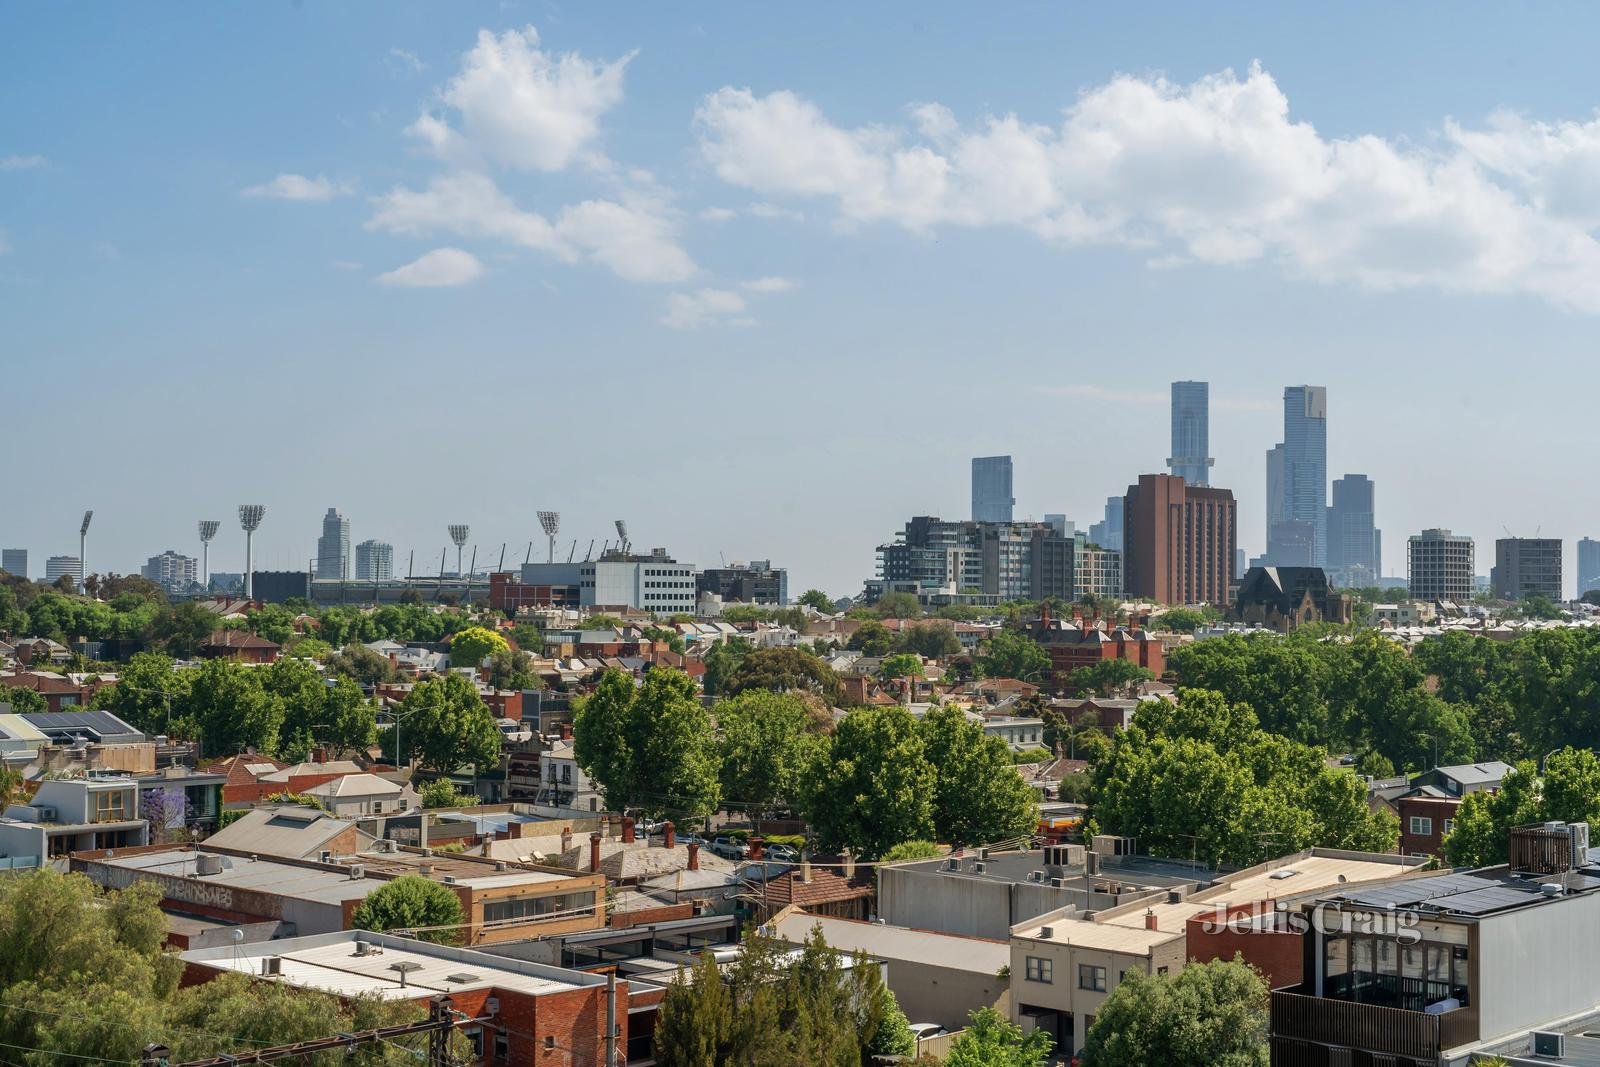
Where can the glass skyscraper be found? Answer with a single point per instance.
(333, 547)
(1191, 432)
(991, 489)
(1354, 548)
(1297, 481)
(1588, 565)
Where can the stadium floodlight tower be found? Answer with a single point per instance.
(550, 521)
(208, 530)
(459, 532)
(622, 536)
(250, 516)
(83, 549)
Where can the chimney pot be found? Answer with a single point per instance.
(1150, 922)
(758, 847)
(566, 731)
(694, 856)
(594, 852)
(566, 839)
(627, 829)
(669, 835)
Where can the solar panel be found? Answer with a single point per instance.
(1484, 901)
(1417, 891)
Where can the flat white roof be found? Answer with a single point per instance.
(330, 963)
(885, 942)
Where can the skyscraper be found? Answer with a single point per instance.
(1191, 433)
(1107, 533)
(1354, 545)
(333, 547)
(991, 489)
(1439, 566)
(15, 561)
(1588, 565)
(172, 571)
(1178, 542)
(57, 566)
(1526, 566)
(1299, 499)
(374, 561)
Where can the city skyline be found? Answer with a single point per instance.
(336, 165)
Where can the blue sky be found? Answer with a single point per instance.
(760, 281)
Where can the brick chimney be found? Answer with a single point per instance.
(1150, 922)
(758, 847)
(594, 852)
(849, 863)
(627, 829)
(669, 835)
(513, 830)
(566, 840)
(694, 856)
(805, 870)
(566, 731)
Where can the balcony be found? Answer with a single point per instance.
(1297, 1016)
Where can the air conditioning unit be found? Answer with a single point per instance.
(1035, 876)
(47, 813)
(271, 966)
(979, 867)
(1047, 932)
(1055, 883)
(357, 871)
(1175, 896)
(207, 863)
(1578, 834)
(1549, 1043)
(953, 863)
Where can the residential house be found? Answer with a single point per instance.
(241, 645)
(351, 795)
(1427, 808)
(74, 815)
(1084, 642)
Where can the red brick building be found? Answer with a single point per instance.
(1424, 820)
(1178, 541)
(1082, 642)
(508, 594)
(241, 645)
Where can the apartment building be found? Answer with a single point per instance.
(1178, 541)
(1526, 566)
(1439, 566)
(984, 561)
(74, 815)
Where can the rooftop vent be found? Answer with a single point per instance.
(207, 863)
(1047, 932)
(462, 978)
(271, 965)
(1280, 875)
(405, 967)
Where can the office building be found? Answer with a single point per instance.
(655, 582)
(14, 561)
(1297, 481)
(1178, 542)
(977, 561)
(1097, 572)
(1060, 524)
(1526, 566)
(1439, 566)
(333, 547)
(991, 489)
(1191, 433)
(57, 567)
(756, 582)
(1588, 565)
(172, 571)
(1107, 533)
(1355, 547)
(374, 561)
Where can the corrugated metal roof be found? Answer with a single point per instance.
(259, 875)
(290, 831)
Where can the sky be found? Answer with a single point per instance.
(760, 280)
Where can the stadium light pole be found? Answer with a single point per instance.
(83, 552)
(250, 516)
(208, 530)
(550, 521)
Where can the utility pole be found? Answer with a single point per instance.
(439, 1040)
(611, 1019)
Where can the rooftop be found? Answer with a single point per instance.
(978, 955)
(262, 875)
(392, 968)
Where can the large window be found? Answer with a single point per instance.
(1040, 969)
(1091, 977)
(570, 905)
(111, 806)
(1421, 826)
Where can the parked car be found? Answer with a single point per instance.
(922, 1031)
(782, 854)
(729, 848)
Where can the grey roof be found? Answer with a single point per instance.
(261, 875)
(1486, 773)
(1461, 894)
(1017, 866)
(290, 831)
(95, 726)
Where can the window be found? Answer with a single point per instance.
(1421, 826)
(1091, 977)
(1040, 969)
(110, 806)
(502, 1046)
(1161, 970)
(1449, 824)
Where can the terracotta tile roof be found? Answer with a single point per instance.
(827, 885)
(238, 639)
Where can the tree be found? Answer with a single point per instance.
(183, 627)
(1182, 620)
(512, 669)
(230, 710)
(872, 787)
(1207, 1015)
(147, 692)
(872, 638)
(721, 660)
(1108, 677)
(898, 606)
(978, 796)
(446, 725)
(906, 665)
(441, 793)
(349, 720)
(817, 599)
(911, 850)
(649, 746)
(930, 640)
(22, 700)
(1571, 786)
(765, 748)
(991, 1040)
(414, 903)
(695, 1025)
(362, 665)
(1012, 655)
(783, 670)
(297, 686)
(470, 647)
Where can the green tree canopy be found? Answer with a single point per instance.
(445, 725)
(470, 647)
(872, 787)
(992, 1040)
(930, 640)
(1007, 654)
(1108, 677)
(783, 670)
(1207, 1015)
(766, 745)
(898, 606)
(721, 660)
(817, 599)
(649, 746)
(362, 665)
(978, 795)
(512, 669)
(872, 638)
(412, 902)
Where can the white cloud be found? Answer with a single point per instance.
(523, 107)
(299, 188)
(718, 214)
(636, 238)
(768, 284)
(1214, 172)
(441, 267)
(22, 162)
(407, 61)
(757, 210)
(705, 307)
